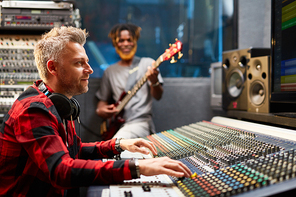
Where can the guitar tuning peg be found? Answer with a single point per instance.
(173, 60)
(180, 54)
(170, 45)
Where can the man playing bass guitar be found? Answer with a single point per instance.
(135, 120)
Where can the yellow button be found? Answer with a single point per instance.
(193, 175)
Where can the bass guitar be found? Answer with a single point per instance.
(110, 126)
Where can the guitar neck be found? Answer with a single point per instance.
(136, 87)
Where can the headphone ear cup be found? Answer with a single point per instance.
(63, 105)
(76, 108)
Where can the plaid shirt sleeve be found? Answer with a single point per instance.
(98, 150)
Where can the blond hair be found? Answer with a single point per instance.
(52, 44)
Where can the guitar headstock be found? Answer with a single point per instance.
(173, 50)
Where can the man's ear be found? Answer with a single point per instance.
(52, 67)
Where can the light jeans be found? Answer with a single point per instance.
(133, 130)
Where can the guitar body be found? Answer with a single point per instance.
(110, 126)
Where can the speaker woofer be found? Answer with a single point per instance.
(257, 93)
(235, 83)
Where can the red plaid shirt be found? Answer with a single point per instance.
(35, 159)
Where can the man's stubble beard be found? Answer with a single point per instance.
(71, 88)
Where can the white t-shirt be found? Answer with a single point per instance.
(113, 84)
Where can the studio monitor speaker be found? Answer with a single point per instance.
(258, 82)
(234, 72)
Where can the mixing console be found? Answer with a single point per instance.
(159, 185)
(225, 160)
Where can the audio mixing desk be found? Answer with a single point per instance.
(228, 157)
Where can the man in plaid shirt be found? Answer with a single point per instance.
(40, 153)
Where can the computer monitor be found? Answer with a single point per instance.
(283, 69)
(216, 85)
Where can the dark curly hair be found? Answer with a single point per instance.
(116, 29)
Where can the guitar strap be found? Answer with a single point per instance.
(133, 73)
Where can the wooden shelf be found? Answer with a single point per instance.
(265, 118)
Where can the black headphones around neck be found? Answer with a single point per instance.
(66, 107)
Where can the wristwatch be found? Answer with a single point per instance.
(134, 167)
(117, 145)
